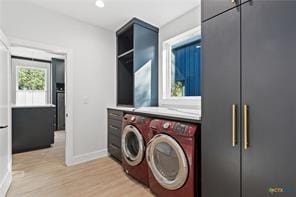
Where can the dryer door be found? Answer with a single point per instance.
(167, 161)
(133, 147)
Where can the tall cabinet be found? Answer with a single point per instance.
(137, 64)
(249, 94)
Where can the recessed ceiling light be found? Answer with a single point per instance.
(100, 3)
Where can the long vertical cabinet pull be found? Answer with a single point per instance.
(246, 132)
(234, 126)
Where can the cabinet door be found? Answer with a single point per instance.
(269, 89)
(59, 70)
(221, 89)
(211, 8)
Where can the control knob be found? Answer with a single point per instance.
(166, 125)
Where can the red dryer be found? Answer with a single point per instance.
(133, 146)
(172, 154)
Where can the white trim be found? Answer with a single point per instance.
(88, 157)
(4, 40)
(5, 184)
(69, 88)
(165, 98)
(6, 181)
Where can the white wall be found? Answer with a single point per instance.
(94, 65)
(1, 17)
(184, 23)
(180, 25)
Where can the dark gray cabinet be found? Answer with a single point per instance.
(114, 133)
(248, 61)
(221, 71)
(212, 8)
(137, 64)
(61, 111)
(268, 84)
(58, 87)
(32, 128)
(59, 70)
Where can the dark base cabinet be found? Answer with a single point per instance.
(32, 128)
(114, 133)
(249, 108)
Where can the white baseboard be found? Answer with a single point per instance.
(87, 157)
(5, 184)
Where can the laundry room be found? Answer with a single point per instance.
(164, 98)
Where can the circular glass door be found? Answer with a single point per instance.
(132, 145)
(167, 162)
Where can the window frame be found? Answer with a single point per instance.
(165, 98)
(34, 64)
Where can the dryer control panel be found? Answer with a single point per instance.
(180, 128)
(173, 128)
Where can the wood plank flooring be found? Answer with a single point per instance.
(42, 173)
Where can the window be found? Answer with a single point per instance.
(181, 69)
(32, 82)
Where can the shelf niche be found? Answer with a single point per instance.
(137, 64)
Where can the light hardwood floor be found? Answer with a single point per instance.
(42, 173)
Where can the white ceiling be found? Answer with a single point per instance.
(117, 12)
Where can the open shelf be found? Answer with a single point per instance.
(137, 49)
(126, 58)
(128, 53)
(125, 41)
(125, 84)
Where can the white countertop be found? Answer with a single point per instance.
(192, 114)
(32, 106)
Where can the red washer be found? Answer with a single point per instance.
(133, 140)
(171, 154)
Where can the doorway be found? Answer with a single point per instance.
(68, 90)
(38, 105)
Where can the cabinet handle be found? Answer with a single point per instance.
(111, 126)
(114, 146)
(4, 127)
(246, 124)
(234, 126)
(114, 115)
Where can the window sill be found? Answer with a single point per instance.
(183, 102)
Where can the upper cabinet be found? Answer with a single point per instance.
(59, 70)
(137, 64)
(212, 8)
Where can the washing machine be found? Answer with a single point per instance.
(172, 155)
(134, 139)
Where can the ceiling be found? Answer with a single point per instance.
(117, 12)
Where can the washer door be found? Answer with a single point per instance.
(167, 161)
(133, 147)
